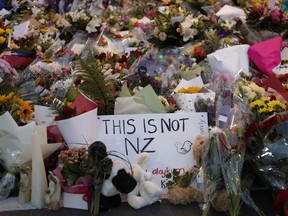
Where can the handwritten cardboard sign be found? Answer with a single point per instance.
(168, 138)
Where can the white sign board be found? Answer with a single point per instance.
(168, 138)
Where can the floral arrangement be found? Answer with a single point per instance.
(20, 110)
(263, 18)
(72, 161)
(72, 22)
(176, 26)
(265, 107)
(5, 37)
(184, 34)
(63, 110)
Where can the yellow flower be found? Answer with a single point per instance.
(266, 99)
(263, 110)
(2, 40)
(2, 31)
(257, 104)
(5, 98)
(20, 101)
(25, 112)
(9, 31)
(189, 90)
(276, 105)
(158, 79)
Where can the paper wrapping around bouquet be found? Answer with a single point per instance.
(44, 115)
(228, 12)
(230, 60)
(143, 101)
(266, 55)
(186, 101)
(18, 140)
(80, 130)
(282, 68)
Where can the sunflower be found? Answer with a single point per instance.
(189, 90)
(5, 98)
(25, 111)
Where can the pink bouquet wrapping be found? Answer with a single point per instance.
(266, 55)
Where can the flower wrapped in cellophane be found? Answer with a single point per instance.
(19, 145)
(224, 154)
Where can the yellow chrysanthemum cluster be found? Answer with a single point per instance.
(4, 33)
(189, 90)
(265, 106)
(19, 109)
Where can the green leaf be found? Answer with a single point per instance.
(93, 84)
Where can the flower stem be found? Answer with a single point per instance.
(96, 197)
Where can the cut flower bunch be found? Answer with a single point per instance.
(70, 67)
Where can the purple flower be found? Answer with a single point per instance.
(125, 20)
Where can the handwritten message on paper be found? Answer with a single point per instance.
(168, 138)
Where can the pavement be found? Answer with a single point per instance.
(262, 198)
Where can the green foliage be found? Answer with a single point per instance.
(92, 84)
(174, 178)
(234, 204)
(71, 174)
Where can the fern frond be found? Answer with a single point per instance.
(93, 84)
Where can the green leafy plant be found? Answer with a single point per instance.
(92, 83)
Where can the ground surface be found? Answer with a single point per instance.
(263, 199)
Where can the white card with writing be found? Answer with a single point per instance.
(167, 138)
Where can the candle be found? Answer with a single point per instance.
(39, 180)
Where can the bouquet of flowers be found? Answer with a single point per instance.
(174, 25)
(5, 37)
(20, 110)
(264, 18)
(72, 161)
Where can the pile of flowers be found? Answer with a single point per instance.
(264, 18)
(107, 52)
